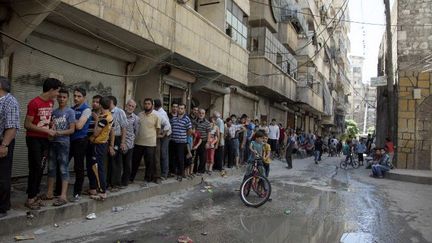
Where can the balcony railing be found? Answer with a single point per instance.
(307, 96)
(280, 86)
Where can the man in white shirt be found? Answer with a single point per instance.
(163, 139)
(273, 135)
(221, 144)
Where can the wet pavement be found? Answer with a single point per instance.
(311, 203)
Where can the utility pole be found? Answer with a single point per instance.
(389, 73)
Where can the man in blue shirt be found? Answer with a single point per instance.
(79, 139)
(360, 150)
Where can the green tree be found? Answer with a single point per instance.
(351, 128)
(371, 130)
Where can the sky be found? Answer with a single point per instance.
(371, 11)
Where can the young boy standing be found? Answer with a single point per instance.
(194, 141)
(266, 156)
(99, 142)
(63, 123)
(257, 150)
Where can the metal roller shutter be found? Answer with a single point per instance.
(278, 114)
(241, 105)
(31, 67)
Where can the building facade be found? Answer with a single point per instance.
(263, 58)
(412, 67)
(358, 105)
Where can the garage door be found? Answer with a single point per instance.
(31, 67)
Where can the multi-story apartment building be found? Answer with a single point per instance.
(264, 58)
(358, 105)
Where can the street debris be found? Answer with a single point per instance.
(207, 189)
(288, 211)
(24, 237)
(204, 233)
(184, 239)
(91, 216)
(56, 225)
(117, 209)
(39, 232)
(30, 215)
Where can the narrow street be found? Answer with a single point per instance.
(311, 203)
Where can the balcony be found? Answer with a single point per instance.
(261, 14)
(310, 100)
(292, 13)
(288, 36)
(281, 87)
(171, 27)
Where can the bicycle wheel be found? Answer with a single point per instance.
(255, 191)
(343, 164)
(355, 164)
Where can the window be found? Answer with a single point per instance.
(236, 24)
(279, 60)
(254, 44)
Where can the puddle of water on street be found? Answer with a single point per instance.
(314, 216)
(356, 237)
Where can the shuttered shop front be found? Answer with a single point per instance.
(31, 67)
(241, 105)
(278, 114)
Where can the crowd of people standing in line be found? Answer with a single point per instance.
(109, 143)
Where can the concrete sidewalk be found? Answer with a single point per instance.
(415, 176)
(18, 219)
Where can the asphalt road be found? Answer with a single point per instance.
(310, 203)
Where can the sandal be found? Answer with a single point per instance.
(32, 206)
(45, 197)
(39, 202)
(59, 202)
(98, 197)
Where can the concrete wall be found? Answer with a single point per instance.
(178, 28)
(214, 12)
(147, 87)
(244, 5)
